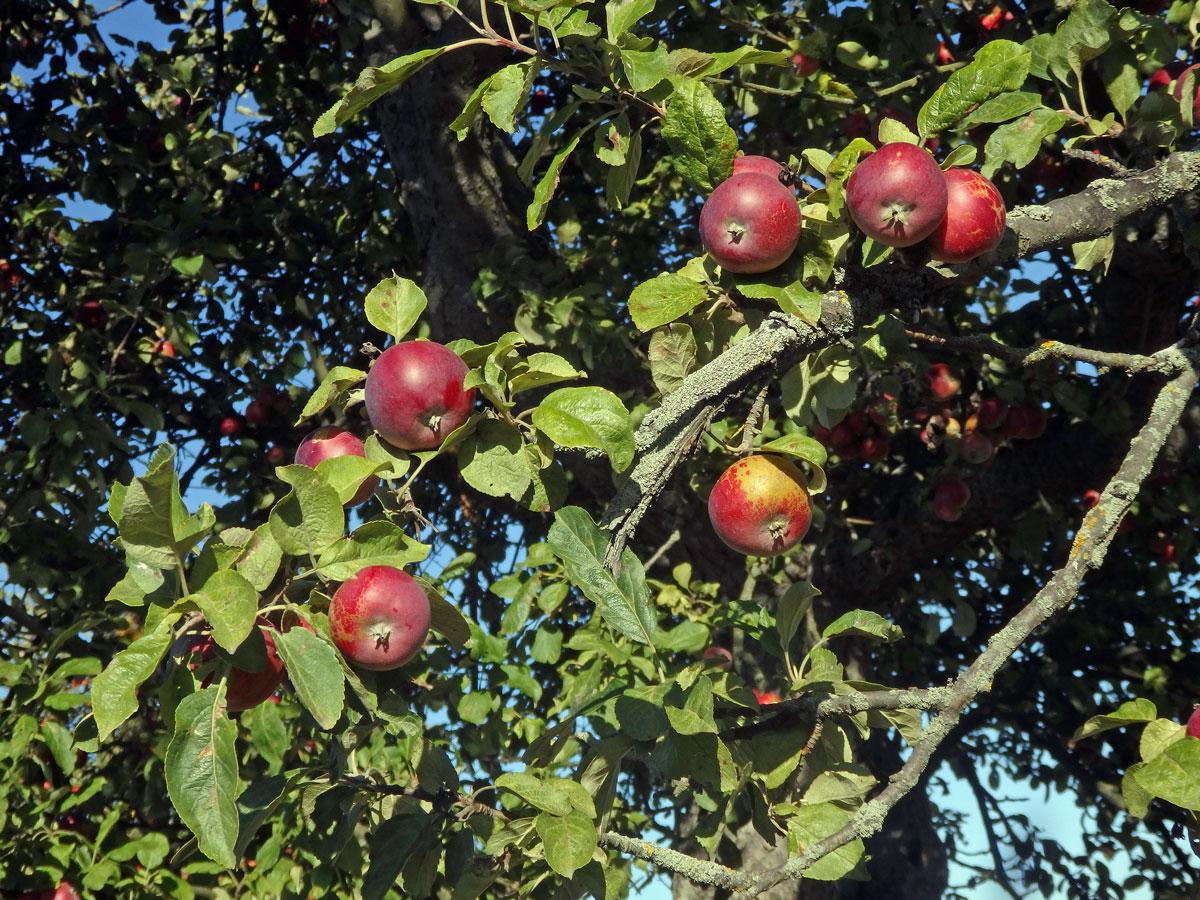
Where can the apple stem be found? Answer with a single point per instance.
(736, 233)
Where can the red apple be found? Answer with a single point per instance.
(944, 56)
(91, 314)
(328, 442)
(949, 498)
(765, 698)
(1091, 497)
(244, 689)
(858, 125)
(1025, 423)
(415, 394)
(874, 448)
(163, 348)
(276, 455)
(760, 505)
(764, 165)
(1177, 91)
(258, 413)
(1193, 723)
(231, 426)
(803, 66)
(976, 448)
(995, 19)
(991, 413)
(718, 658)
(974, 221)
(1168, 73)
(943, 381)
(750, 223)
(897, 195)
(379, 618)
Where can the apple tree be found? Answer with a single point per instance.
(533, 447)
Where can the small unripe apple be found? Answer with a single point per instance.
(943, 381)
(328, 442)
(415, 394)
(718, 658)
(1193, 723)
(976, 448)
(764, 165)
(750, 223)
(380, 618)
(897, 195)
(949, 498)
(974, 221)
(231, 426)
(804, 66)
(760, 505)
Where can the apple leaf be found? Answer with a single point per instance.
(792, 298)
(664, 298)
(839, 172)
(345, 474)
(686, 637)
(492, 460)
(230, 605)
(588, 417)
(619, 183)
(791, 609)
(998, 67)
(1085, 34)
(376, 543)
(149, 509)
(202, 774)
(863, 623)
(1131, 712)
(394, 306)
(844, 789)
(1137, 798)
(646, 68)
(1121, 80)
(1020, 141)
(672, 356)
(1174, 774)
(445, 618)
(568, 841)
(696, 715)
(623, 600)
(260, 557)
(702, 143)
(775, 754)
(372, 83)
(621, 15)
(813, 823)
(506, 93)
(1158, 735)
(470, 111)
(338, 381)
(1002, 108)
(114, 691)
(393, 843)
(536, 792)
(962, 155)
(541, 369)
(802, 447)
(313, 667)
(310, 517)
(536, 213)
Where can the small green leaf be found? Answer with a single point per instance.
(310, 517)
(1158, 735)
(702, 143)
(621, 179)
(1003, 108)
(802, 447)
(373, 83)
(623, 600)
(393, 306)
(376, 543)
(506, 93)
(315, 671)
(1020, 141)
(672, 356)
(664, 298)
(339, 380)
(1085, 34)
(621, 15)
(645, 68)
(962, 155)
(998, 67)
(793, 606)
(863, 623)
(470, 111)
(568, 841)
(792, 298)
(230, 605)
(114, 691)
(536, 792)
(492, 460)
(536, 213)
(202, 774)
(1174, 774)
(541, 369)
(588, 417)
(813, 823)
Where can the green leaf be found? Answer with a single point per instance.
(793, 606)
(962, 155)
(1098, 252)
(541, 369)
(568, 841)
(672, 356)
(621, 179)
(492, 460)
(1174, 774)
(998, 67)
(612, 141)
(1158, 735)
(1019, 142)
(536, 792)
(621, 15)
(230, 605)
(1003, 108)
(536, 213)
(1085, 34)
(202, 774)
(588, 417)
(346, 474)
(1129, 713)
(802, 447)
(506, 93)
(686, 637)
(114, 691)
(445, 618)
(188, 266)
(645, 68)
(1137, 798)
(813, 823)
(845, 789)
(372, 84)
(339, 380)
(310, 517)
(701, 140)
(315, 671)
(148, 513)
(470, 111)
(376, 543)
(260, 557)
(393, 843)
(792, 298)
(863, 623)
(664, 298)
(393, 306)
(624, 600)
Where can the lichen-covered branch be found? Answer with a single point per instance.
(1087, 554)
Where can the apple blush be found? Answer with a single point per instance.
(415, 395)
(751, 222)
(379, 618)
(897, 195)
(760, 505)
(974, 221)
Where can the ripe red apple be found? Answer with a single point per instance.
(995, 19)
(897, 195)
(974, 221)
(760, 505)
(764, 165)
(258, 413)
(718, 658)
(943, 381)
(976, 448)
(231, 426)
(949, 498)
(1168, 73)
(1091, 497)
(379, 618)
(328, 442)
(803, 66)
(991, 413)
(91, 314)
(163, 348)
(1193, 723)
(276, 455)
(1025, 423)
(874, 448)
(750, 223)
(944, 56)
(765, 698)
(415, 394)
(1177, 91)
(858, 125)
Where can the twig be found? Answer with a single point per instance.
(981, 798)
